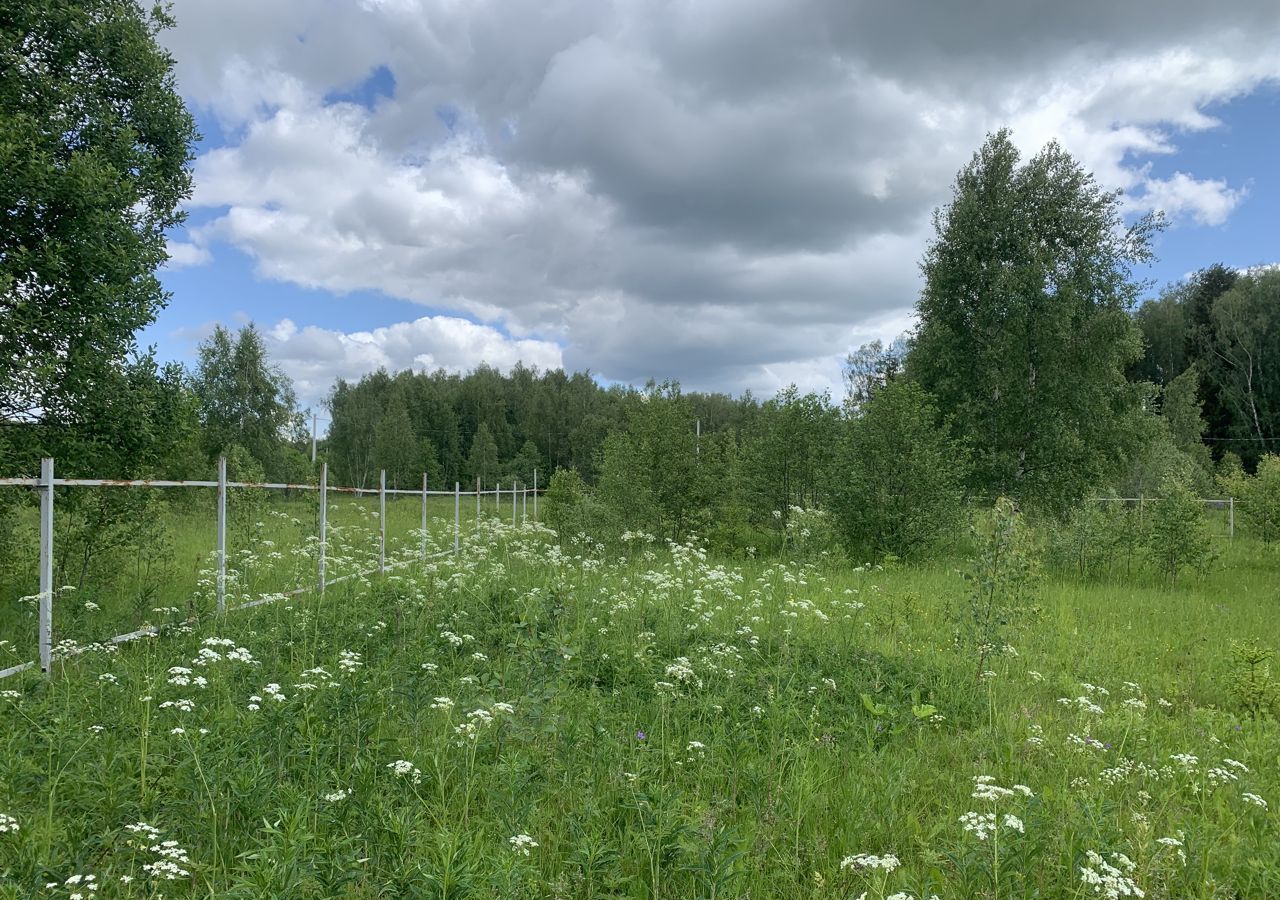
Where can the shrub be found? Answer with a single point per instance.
(1176, 536)
(897, 481)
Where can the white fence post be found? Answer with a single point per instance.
(524, 504)
(477, 499)
(324, 520)
(457, 514)
(46, 566)
(424, 516)
(220, 587)
(535, 495)
(382, 522)
(1231, 517)
(513, 504)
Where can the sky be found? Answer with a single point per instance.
(730, 193)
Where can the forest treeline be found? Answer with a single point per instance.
(1033, 373)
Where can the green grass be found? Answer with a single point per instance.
(614, 664)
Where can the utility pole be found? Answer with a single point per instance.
(313, 438)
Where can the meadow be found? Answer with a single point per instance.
(535, 718)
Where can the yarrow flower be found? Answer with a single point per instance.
(1108, 880)
(405, 769)
(7, 823)
(522, 844)
(337, 796)
(1248, 798)
(887, 863)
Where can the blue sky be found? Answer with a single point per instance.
(734, 197)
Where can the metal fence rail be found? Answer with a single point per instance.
(1227, 503)
(46, 484)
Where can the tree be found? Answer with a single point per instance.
(1176, 536)
(395, 448)
(871, 367)
(898, 479)
(95, 146)
(1183, 414)
(482, 462)
(1245, 340)
(244, 400)
(1024, 334)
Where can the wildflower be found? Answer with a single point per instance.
(108, 678)
(405, 769)
(1013, 822)
(444, 703)
(7, 823)
(980, 825)
(887, 862)
(1248, 798)
(1186, 760)
(522, 843)
(1110, 881)
(337, 796)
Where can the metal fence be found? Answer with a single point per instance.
(46, 483)
(1228, 504)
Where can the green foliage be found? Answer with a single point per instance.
(1024, 334)
(245, 401)
(395, 449)
(1176, 536)
(482, 460)
(786, 454)
(1249, 682)
(897, 482)
(1093, 540)
(570, 508)
(1245, 330)
(95, 146)
(1003, 579)
(654, 475)
(1258, 497)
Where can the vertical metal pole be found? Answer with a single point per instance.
(313, 438)
(513, 504)
(497, 498)
(424, 516)
(1231, 517)
(46, 566)
(324, 520)
(477, 498)
(382, 521)
(457, 515)
(220, 588)
(698, 445)
(535, 495)
(524, 504)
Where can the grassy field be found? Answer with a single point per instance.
(528, 720)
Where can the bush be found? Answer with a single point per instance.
(1176, 536)
(1092, 539)
(897, 481)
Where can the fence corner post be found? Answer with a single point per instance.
(457, 515)
(324, 522)
(1231, 518)
(535, 495)
(220, 588)
(46, 566)
(513, 504)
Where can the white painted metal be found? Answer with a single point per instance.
(457, 516)
(424, 516)
(324, 525)
(46, 565)
(221, 546)
(535, 495)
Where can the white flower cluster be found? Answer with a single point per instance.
(445, 703)
(888, 862)
(182, 677)
(337, 796)
(1248, 798)
(522, 844)
(1108, 880)
(405, 769)
(7, 823)
(181, 705)
(77, 885)
(170, 858)
(349, 661)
